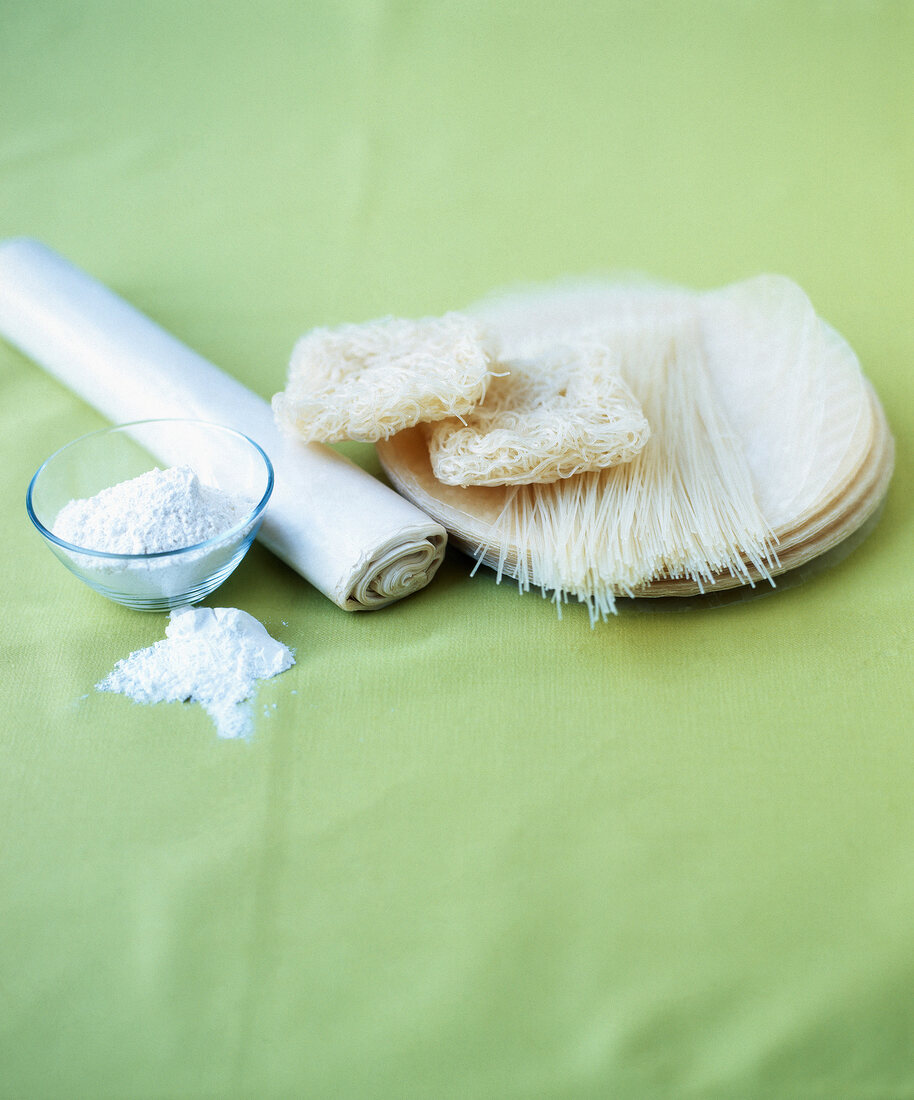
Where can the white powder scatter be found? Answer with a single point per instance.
(157, 511)
(210, 656)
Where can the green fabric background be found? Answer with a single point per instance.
(473, 851)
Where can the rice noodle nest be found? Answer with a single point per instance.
(565, 412)
(369, 381)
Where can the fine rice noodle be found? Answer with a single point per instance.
(564, 412)
(368, 381)
(767, 446)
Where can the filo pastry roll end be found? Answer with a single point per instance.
(354, 539)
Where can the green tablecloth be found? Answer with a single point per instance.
(470, 850)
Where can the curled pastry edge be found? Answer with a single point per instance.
(396, 571)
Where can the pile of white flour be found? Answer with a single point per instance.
(159, 510)
(210, 656)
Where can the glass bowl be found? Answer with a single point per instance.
(220, 457)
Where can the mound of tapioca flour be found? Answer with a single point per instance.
(157, 511)
(210, 656)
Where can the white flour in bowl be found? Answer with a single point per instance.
(210, 656)
(157, 511)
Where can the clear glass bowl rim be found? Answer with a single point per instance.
(221, 538)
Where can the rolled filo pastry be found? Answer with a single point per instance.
(354, 539)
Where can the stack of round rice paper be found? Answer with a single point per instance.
(768, 445)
